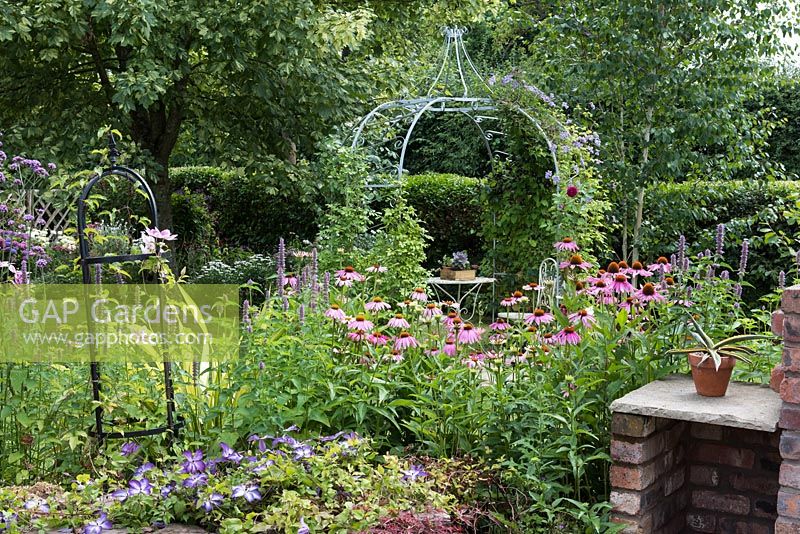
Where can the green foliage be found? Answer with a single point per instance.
(449, 209)
(784, 101)
(194, 225)
(336, 485)
(752, 209)
(400, 247)
(663, 113)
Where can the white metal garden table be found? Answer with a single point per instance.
(459, 291)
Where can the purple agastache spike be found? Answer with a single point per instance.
(797, 260)
(708, 253)
(724, 275)
(743, 258)
(681, 251)
(710, 272)
(301, 314)
(98, 274)
(281, 265)
(720, 240)
(737, 290)
(303, 278)
(781, 280)
(246, 315)
(285, 304)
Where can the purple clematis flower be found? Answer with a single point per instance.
(196, 480)
(303, 528)
(212, 501)
(129, 448)
(139, 487)
(262, 445)
(166, 490)
(194, 462)
(414, 472)
(248, 491)
(142, 469)
(229, 454)
(98, 525)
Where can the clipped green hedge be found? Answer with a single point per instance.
(747, 208)
(448, 205)
(255, 210)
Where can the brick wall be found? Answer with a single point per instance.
(672, 476)
(786, 378)
(648, 473)
(732, 479)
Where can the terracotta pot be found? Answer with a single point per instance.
(708, 381)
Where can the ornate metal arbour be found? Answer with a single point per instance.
(395, 121)
(173, 424)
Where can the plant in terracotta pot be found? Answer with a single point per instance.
(712, 362)
(457, 267)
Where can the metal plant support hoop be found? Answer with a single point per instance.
(173, 424)
(455, 75)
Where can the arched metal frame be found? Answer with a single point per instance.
(479, 109)
(173, 425)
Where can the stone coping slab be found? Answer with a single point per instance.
(751, 406)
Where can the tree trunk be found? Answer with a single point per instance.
(637, 227)
(156, 130)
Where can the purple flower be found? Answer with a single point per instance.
(720, 239)
(248, 491)
(414, 472)
(212, 501)
(303, 528)
(166, 490)
(196, 480)
(743, 258)
(229, 454)
(98, 525)
(262, 446)
(144, 468)
(303, 451)
(781, 280)
(681, 252)
(128, 448)
(194, 462)
(139, 487)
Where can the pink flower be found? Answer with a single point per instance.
(431, 311)
(335, 313)
(376, 304)
(349, 273)
(357, 336)
(500, 325)
(585, 317)
(628, 304)
(290, 281)
(474, 360)
(497, 339)
(376, 268)
(568, 336)
(621, 284)
(360, 323)
(649, 293)
(539, 317)
(469, 334)
(508, 302)
(397, 356)
(637, 269)
(398, 321)
(448, 319)
(566, 245)
(377, 339)
(343, 281)
(405, 341)
(548, 338)
(450, 347)
(419, 294)
(166, 235)
(661, 265)
(532, 286)
(574, 262)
